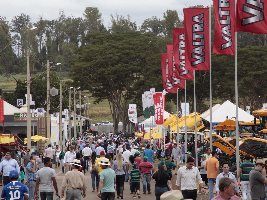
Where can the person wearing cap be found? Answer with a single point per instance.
(257, 180)
(46, 180)
(74, 183)
(212, 167)
(146, 172)
(227, 190)
(107, 181)
(15, 189)
(162, 179)
(188, 178)
(7, 165)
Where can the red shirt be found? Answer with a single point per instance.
(137, 161)
(145, 167)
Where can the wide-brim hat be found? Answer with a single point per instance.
(172, 195)
(105, 162)
(76, 162)
(260, 161)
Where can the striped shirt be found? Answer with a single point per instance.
(246, 167)
(135, 176)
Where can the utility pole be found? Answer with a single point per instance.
(48, 131)
(69, 128)
(28, 101)
(80, 102)
(60, 116)
(74, 114)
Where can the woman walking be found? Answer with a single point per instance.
(162, 178)
(119, 166)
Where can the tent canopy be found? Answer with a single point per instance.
(10, 109)
(228, 111)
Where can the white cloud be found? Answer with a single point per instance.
(137, 9)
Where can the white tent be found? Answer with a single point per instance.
(206, 114)
(150, 122)
(10, 109)
(228, 110)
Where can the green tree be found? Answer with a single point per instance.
(118, 67)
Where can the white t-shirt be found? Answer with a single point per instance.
(87, 151)
(126, 155)
(98, 150)
(49, 152)
(45, 175)
(69, 157)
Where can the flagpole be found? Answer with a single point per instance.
(210, 82)
(177, 104)
(185, 115)
(195, 112)
(236, 102)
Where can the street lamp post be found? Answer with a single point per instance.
(80, 102)
(28, 101)
(74, 112)
(48, 131)
(69, 135)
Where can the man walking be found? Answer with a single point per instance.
(107, 181)
(46, 179)
(74, 183)
(31, 176)
(146, 171)
(176, 154)
(188, 178)
(68, 158)
(212, 167)
(87, 153)
(6, 166)
(257, 180)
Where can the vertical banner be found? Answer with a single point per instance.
(2, 115)
(148, 103)
(173, 73)
(179, 53)
(159, 100)
(132, 113)
(251, 16)
(197, 37)
(224, 33)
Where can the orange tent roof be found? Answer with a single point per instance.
(260, 113)
(227, 125)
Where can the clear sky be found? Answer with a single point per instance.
(137, 9)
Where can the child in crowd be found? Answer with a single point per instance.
(135, 177)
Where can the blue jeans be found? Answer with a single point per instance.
(31, 185)
(46, 195)
(95, 181)
(159, 191)
(211, 183)
(146, 178)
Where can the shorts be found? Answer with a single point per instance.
(135, 186)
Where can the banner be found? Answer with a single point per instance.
(132, 113)
(174, 76)
(2, 115)
(179, 53)
(251, 16)
(148, 103)
(159, 101)
(197, 37)
(224, 27)
(166, 77)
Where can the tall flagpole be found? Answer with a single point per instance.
(236, 102)
(185, 115)
(210, 82)
(177, 104)
(195, 113)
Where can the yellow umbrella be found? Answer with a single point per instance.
(170, 120)
(157, 135)
(6, 139)
(147, 136)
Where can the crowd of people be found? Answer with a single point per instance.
(111, 161)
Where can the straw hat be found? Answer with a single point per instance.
(105, 162)
(172, 195)
(76, 162)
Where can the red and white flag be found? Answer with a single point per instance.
(252, 16)
(197, 37)
(224, 27)
(175, 78)
(159, 102)
(181, 61)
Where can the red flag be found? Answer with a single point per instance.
(166, 76)
(2, 116)
(251, 16)
(197, 37)
(179, 53)
(224, 33)
(159, 102)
